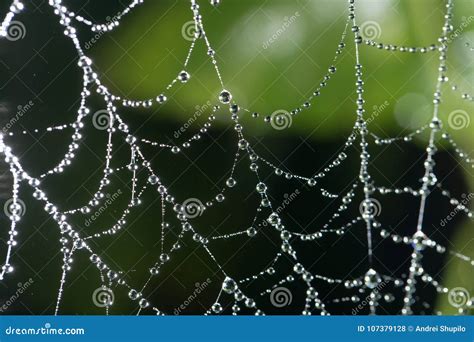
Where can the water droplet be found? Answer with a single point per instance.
(134, 294)
(183, 76)
(229, 285)
(230, 182)
(251, 231)
(216, 308)
(225, 96)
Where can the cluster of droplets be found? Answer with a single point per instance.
(231, 287)
(14, 208)
(364, 176)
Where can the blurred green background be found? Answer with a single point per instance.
(147, 51)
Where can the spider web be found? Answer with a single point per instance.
(286, 266)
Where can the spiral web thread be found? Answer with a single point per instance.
(110, 120)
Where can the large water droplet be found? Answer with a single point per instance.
(229, 285)
(372, 279)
